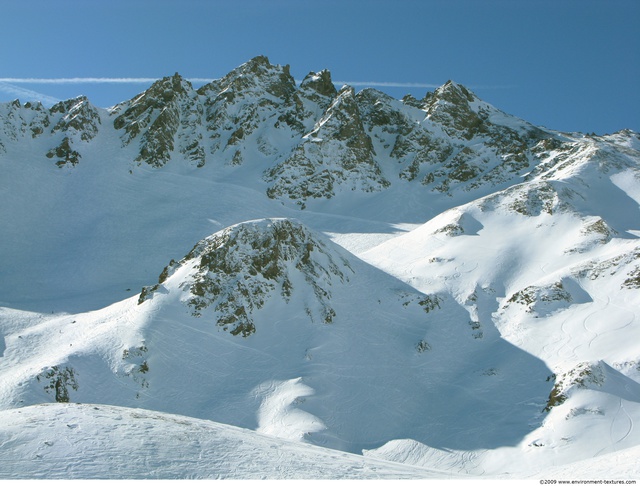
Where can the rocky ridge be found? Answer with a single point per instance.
(311, 141)
(238, 269)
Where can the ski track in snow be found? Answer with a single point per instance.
(619, 430)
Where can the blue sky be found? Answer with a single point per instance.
(571, 65)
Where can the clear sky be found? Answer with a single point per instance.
(570, 65)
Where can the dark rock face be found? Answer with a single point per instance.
(337, 152)
(239, 269)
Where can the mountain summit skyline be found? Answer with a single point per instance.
(562, 66)
(432, 281)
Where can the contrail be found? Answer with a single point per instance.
(384, 84)
(77, 80)
(380, 84)
(389, 84)
(7, 85)
(92, 80)
(196, 80)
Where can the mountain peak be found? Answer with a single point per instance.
(169, 86)
(257, 63)
(455, 93)
(237, 270)
(256, 75)
(320, 82)
(68, 105)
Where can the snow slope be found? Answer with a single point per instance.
(74, 441)
(69, 441)
(479, 316)
(288, 338)
(552, 265)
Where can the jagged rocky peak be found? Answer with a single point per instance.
(79, 116)
(452, 92)
(412, 101)
(255, 76)
(255, 95)
(451, 106)
(75, 122)
(131, 114)
(626, 137)
(319, 83)
(401, 135)
(463, 114)
(68, 106)
(75, 118)
(337, 155)
(14, 105)
(312, 140)
(310, 101)
(16, 120)
(166, 89)
(343, 121)
(156, 115)
(237, 270)
(379, 110)
(502, 146)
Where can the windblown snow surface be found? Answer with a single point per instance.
(211, 287)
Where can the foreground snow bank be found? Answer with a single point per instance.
(76, 441)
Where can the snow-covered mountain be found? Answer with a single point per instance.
(432, 282)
